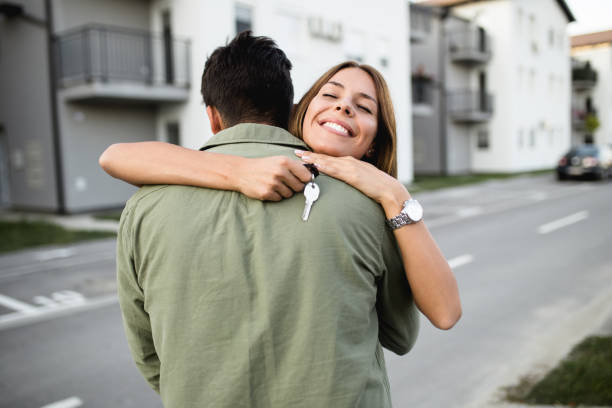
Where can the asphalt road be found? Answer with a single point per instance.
(532, 257)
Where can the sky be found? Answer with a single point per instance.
(591, 15)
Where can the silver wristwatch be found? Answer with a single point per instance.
(411, 213)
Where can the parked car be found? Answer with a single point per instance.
(592, 161)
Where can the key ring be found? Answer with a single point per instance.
(313, 169)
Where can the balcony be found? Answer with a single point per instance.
(583, 77)
(420, 23)
(98, 63)
(469, 46)
(470, 107)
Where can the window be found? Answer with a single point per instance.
(520, 139)
(532, 140)
(244, 18)
(551, 38)
(173, 133)
(483, 139)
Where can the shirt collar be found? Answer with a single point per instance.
(254, 133)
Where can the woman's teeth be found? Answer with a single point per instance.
(337, 127)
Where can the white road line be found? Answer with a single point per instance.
(563, 222)
(17, 319)
(460, 261)
(71, 402)
(54, 254)
(22, 270)
(18, 305)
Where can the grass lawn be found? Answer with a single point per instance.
(424, 183)
(584, 377)
(15, 235)
(110, 215)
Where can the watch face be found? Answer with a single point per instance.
(414, 210)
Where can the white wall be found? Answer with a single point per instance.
(372, 31)
(530, 79)
(601, 61)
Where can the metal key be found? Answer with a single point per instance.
(311, 192)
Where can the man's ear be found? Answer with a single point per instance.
(214, 117)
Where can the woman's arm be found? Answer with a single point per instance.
(431, 279)
(268, 178)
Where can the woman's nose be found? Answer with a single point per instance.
(344, 107)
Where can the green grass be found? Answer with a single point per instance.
(15, 235)
(110, 215)
(424, 183)
(584, 377)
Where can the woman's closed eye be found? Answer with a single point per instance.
(328, 95)
(365, 108)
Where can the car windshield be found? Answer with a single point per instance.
(584, 151)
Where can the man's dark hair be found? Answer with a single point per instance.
(249, 80)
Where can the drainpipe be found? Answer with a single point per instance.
(57, 147)
(442, 89)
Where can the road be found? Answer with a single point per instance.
(531, 255)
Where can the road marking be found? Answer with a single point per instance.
(460, 261)
(54, 254)
(60, 264)
(44, 313)
(71, 402)
(469, 212)
(18, 305)
(563, 222)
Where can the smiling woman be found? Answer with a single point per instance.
(355, 97)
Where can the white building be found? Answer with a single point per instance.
(593, 84)
(94, 73)
(529, 76)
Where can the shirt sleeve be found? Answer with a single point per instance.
(398, 317)
(131, 299)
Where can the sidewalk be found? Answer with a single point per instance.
(86, 222)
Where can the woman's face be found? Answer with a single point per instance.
(341, 119)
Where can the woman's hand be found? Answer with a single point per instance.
(271, 178)
(365, 177)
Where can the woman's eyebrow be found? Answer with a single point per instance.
(365, 95)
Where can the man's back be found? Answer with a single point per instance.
(248, 305)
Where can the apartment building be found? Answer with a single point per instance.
(79, 75)
(592, 87)
(498, 72)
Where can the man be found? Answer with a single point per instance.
(233, 302)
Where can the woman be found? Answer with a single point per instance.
(347, 118)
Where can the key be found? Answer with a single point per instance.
(311, 192)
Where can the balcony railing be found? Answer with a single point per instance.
(469, 106)
(420, 23)
(104, 62)
(583, 77)
(470, 46)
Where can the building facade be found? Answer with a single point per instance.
(79, 75)
(501, 86)
(592, 87)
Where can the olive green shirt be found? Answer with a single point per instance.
(233, 302)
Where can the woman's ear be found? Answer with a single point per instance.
(214, 117)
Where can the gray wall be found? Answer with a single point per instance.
(25, 111)
(426, 123)
(124, 13)
(430, 127)
(86, 131)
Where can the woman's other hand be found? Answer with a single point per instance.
(365, 177)
(271, 178)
